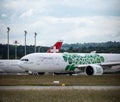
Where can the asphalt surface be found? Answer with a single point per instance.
(58, 87)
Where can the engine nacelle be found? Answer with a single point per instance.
(94, 69)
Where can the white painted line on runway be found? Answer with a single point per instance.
(58, 87)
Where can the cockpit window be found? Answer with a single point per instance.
(24, 60)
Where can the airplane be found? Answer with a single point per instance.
(11, 66)
(90, 64)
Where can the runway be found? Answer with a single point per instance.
(59, 87)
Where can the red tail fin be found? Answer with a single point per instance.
(56, 47)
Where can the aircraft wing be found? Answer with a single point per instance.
(107, 64)
(110, 64)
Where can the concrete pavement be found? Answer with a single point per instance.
(58, 87)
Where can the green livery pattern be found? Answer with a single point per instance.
(74, 59)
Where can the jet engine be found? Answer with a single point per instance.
(94, 69)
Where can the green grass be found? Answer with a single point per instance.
(60, 96)
(110, 80)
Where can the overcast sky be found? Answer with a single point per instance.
(69, 20)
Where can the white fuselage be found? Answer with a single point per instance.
(44, 62)
(54, 62)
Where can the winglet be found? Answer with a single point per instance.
(93, 52)
(56, 47)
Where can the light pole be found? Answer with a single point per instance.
(35, 40)
(39, 48)
(16, 42)
(25, 40)
(8, 30)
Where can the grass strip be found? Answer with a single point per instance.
(60, 96)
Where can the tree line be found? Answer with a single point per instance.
(20, 50)
(105, 47)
